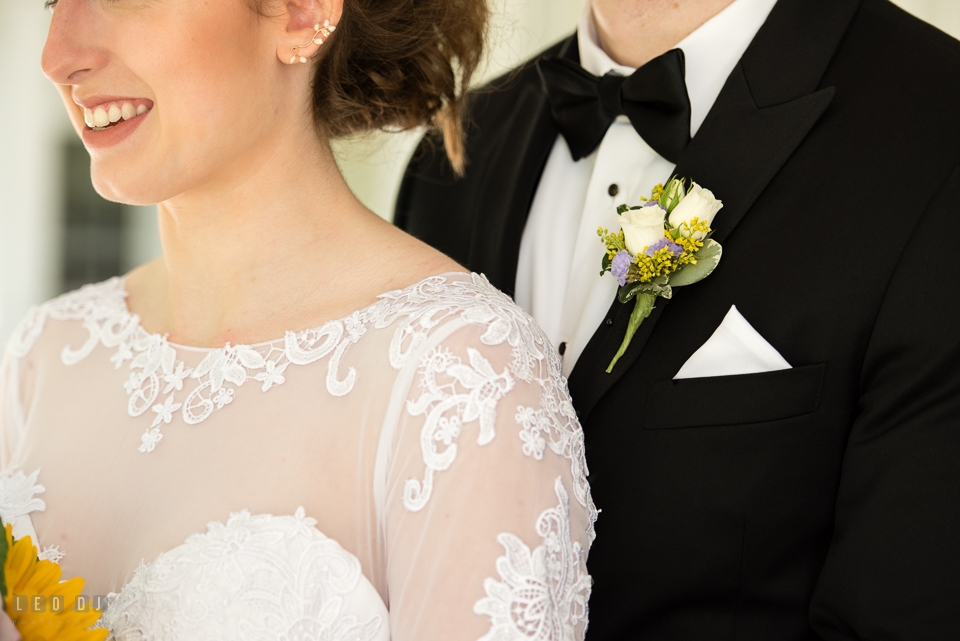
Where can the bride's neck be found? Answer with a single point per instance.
(249, 254)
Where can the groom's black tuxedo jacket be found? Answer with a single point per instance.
(820, 502)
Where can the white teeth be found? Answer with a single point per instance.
(107, 115)
(100, 118)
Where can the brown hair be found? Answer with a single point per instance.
(400, 64)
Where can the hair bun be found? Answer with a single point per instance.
(400, 64)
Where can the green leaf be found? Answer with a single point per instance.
(710, 248)
(641, 310)
(622, 208)
(629, 290)
(658, 287)
(664, 201)
(3, 559)
(663, 291)
(605, 266)
(673, 193)
(707, 259)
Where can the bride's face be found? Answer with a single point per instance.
(168, 95)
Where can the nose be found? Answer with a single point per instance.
(74, 47)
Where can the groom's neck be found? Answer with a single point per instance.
(634, 32)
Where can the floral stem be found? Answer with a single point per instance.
(641, 309)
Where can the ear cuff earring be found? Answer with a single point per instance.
(323, 32)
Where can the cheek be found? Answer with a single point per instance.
(213, 86)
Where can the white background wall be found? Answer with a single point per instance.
(32, 117)
(34, 125)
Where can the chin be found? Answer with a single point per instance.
(126, 185)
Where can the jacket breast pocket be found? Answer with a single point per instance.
(734, 400)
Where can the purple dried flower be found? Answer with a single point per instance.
(620, 265)
(674, 248)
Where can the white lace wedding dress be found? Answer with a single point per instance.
(414, 471)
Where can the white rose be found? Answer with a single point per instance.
(698, 203)
(642, 227)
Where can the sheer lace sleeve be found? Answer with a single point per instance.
(11, 410)
(486, 513)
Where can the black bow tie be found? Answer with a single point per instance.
(654, 98)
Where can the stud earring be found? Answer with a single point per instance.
(323, 32)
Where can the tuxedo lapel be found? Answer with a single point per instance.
(511, 178)
(512, 174)
(767, 107)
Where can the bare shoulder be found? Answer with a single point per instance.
(409, 260)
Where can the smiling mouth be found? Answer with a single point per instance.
(108, 115)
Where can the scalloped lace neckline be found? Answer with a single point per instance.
(161, 382)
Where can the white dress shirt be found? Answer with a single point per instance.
(558, 273)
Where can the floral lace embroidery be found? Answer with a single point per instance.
(542, 594)
(256, 577)
(157, 373)
(448, 410)
(18, 494)
(428, 303)
(18, 498)
(51, 553)
(93, 304)
(554, 424)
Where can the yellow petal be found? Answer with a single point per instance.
(71, 589)
(29, 576)
(19, 567)
(46, 577)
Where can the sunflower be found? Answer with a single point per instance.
(25, 574)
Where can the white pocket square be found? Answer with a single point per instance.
(734, 348)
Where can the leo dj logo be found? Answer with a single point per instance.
(36, 603)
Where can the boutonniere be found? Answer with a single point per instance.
(664, 243)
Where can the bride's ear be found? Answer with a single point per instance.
(305, 27)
